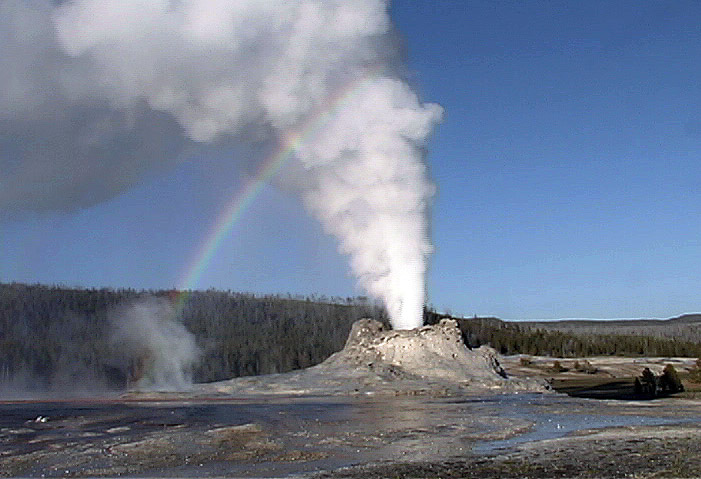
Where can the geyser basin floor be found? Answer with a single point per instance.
(431, 360)
(303, 435)
(375, 409)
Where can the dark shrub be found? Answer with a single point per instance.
(669, 380)
(648, 381)
(558, 367)
(638, 387)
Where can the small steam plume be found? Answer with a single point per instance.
(161, 352)
(97, 94)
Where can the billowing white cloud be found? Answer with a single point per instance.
(103, 92)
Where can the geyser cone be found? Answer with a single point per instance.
(432, 352)
(427, 360)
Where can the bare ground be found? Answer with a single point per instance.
(635, 452)
(488, 436)
(603, 366)
(373, 410)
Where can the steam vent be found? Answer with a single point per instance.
(431, 360)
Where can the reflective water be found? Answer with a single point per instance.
(325, 433)
(572, 415)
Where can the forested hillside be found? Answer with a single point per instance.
(524, 338)
(56, 336)
(686, 327)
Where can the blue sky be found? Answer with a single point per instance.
(567, 168)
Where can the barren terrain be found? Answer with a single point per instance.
(391, 404)
(513, 435)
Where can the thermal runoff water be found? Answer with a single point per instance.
(120, 89)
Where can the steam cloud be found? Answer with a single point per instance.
(162, 350)
(99, 94)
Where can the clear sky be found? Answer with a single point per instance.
(567, 172)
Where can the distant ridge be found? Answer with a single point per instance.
(685, 318)
(685, 327)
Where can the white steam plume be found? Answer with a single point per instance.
(162, 351)
(371, 192)
(102, 92)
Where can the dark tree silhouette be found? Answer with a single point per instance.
(669, 381)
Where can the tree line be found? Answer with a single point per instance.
(516, 338)
(686, 327)
(53, 335)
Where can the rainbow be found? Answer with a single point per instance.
(234, 210)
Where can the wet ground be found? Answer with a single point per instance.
(344, 437)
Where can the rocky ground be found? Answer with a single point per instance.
(390, 404)
(531, 435)
(599, 366)
(634, 452)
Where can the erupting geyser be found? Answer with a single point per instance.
(117, 89)
(371, 192)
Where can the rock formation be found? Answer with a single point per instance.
(427, 360)
(431, 352)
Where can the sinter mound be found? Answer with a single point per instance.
(427, 360)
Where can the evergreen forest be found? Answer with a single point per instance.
(53, 335)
